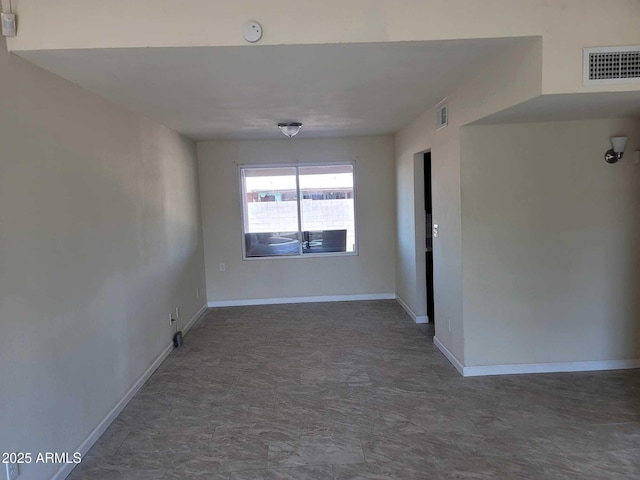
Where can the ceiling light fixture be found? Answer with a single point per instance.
(290, 129)
(615, 153)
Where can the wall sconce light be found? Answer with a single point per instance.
(290, 129)
(614, 154)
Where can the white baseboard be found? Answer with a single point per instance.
(588, 366)
(194, 319)
(416, 318)
(525, 368)
(93, 437)
(450, 356)
(278, 301)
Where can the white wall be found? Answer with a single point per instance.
(370, 272)
(550, 237)
(511, 79)
(567, 26)
(100, 238)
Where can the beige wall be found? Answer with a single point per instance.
(550, 243)
(100, 239)
(510, 80)
(370, 272)
(567, 26)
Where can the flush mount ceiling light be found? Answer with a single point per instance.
(290, 129)
(615, 154)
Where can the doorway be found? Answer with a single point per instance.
(428, 209)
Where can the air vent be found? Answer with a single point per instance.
(611, 65)
(443, 116)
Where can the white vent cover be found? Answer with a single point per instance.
(443, 116)
(611, 65)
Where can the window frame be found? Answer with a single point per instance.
(243, 206)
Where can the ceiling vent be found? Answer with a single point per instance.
(611, 65)
(442, 119)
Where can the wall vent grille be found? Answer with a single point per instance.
(611, 65)
(442, 116)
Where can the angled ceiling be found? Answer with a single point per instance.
(242, 92)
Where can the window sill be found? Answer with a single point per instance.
(304, 255)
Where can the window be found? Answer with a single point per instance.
(298, 210)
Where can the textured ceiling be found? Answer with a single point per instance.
(242, 92)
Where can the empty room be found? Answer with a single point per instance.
(337, 240)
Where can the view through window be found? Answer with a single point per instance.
(298, 210)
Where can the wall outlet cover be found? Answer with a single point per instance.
(12, 471)
(8, 24)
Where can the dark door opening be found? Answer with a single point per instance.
(428, 209)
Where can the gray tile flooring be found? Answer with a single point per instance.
(345, 391)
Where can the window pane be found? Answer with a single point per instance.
(327, 208)
(270, 244)
(271, 211)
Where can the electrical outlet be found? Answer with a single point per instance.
(171, 319)
(12, 471)
(8, 24)
(177, 313)
(223, 267)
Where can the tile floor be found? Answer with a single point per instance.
(345, 391)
